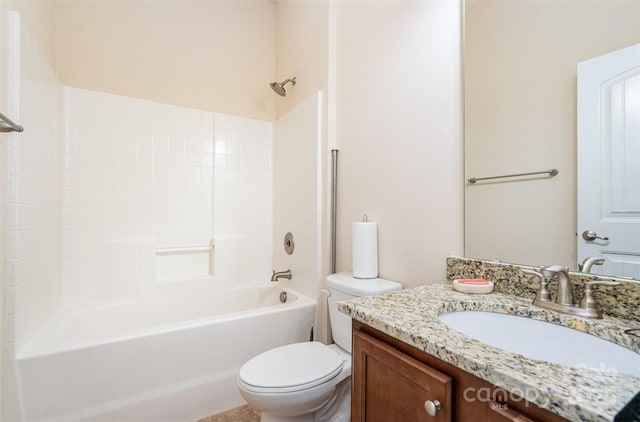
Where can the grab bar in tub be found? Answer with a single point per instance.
(181, 250)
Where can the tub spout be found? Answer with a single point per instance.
(281, 274)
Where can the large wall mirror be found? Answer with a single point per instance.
(521, 115)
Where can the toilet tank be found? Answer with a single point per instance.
(343, 286)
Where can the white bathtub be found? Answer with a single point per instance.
(157, 360)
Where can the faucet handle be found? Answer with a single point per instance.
(550, 270)
(533, 272)
(543, 293)
(587, 301)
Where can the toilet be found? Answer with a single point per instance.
(310, 381)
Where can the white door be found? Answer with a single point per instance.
(609, 161)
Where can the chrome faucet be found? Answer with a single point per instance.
(281, 274)
(565, 301)
(589, 262)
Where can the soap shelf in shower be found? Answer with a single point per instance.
(182, 250)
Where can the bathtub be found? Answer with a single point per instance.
(155, 360)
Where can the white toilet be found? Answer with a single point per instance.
(310, 381)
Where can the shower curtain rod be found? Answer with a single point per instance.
(8, 125)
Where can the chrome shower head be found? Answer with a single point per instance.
(278, 88)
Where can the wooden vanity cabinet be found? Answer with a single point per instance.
(392, 381)
(389, 385)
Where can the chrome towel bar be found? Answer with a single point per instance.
(551, 173)
(8, 125)
(181, 250)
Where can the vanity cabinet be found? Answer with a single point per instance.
(389, 385)
(395, 382)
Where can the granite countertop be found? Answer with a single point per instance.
(411, 316)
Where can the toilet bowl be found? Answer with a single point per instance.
(295, 379)
(310, 381)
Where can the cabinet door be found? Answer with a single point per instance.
(391, 386)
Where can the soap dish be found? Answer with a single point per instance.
(473, 288)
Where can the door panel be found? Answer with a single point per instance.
(609, 160)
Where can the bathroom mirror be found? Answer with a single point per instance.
(521, 61)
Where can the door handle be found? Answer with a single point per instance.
(590, 235)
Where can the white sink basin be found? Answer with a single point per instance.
(544, 341)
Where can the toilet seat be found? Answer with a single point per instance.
(291, 368)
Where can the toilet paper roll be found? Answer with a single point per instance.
(365, 250)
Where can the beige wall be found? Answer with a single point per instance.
(302, 50)
(211, 55)
(393, 102)
(521, 59)
(399, 132)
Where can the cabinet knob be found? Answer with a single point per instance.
(432, 407)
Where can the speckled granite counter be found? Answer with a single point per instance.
(411, 316)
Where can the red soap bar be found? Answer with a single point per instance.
(477, 281)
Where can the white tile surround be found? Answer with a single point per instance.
(33, 230)
(128, 176)
(297, 179)
(243, 205)
(34, 186)
(140, 175)
(133, 175)
(97, 181)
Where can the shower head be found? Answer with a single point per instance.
(278, 88)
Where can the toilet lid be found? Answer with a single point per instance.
(292, 367)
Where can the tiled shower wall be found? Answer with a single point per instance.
(33, 230)
(107, 196)
(97, 182)
(140, 175)
(297, 176)
(33, 273)
(243, 205)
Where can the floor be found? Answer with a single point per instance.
(244, 413)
